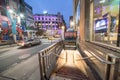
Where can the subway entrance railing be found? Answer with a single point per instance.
(48, 58)
(105, 65)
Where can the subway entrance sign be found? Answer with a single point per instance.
(70, 40)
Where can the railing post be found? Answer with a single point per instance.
(66, 56)
(112, 70)
(41, 67)
(114, 73)
(46, 61)
(107, 68)
(44, 67)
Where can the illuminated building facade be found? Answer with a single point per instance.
(6, 18)
(49, 21)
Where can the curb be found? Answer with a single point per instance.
(7, 46)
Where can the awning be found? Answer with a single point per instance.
(4, 18)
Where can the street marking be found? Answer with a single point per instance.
(24, 56)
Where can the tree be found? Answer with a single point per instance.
(40, 32)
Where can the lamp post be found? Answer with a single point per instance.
(62, 31)
(51, 31)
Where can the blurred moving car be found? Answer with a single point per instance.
(29, 42)
(51, 38)
(56, 36)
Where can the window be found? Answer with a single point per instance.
(38, 18)
(42, 18)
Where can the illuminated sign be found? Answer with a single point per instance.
(101, 25)
(70, 35)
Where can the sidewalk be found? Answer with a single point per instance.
(26, 70)
(7, 44)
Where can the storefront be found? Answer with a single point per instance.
(4, 26)
(106, 19)
(6, 30)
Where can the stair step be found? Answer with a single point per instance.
(59, 78)
(72, 73)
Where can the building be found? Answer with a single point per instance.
(10, 12)
(30, 28)
(50, 22)
(98, 20)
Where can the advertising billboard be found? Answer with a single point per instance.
(101, 25)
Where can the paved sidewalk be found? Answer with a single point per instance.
(7, 46)
(26, 70)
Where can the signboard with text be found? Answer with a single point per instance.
(70, 35)
(101, 25)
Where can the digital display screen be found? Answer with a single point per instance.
(101, 25)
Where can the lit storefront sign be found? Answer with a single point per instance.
(101, 25)
(106, 18)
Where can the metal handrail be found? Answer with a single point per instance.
(59, 56)
(112, 63)
(47, 59)
(101, 59)
(83, 58)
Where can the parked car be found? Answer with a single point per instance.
(29, 42)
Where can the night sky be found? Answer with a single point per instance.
(65, 7)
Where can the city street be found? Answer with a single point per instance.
(16, 62)
(60, 40)
(13, 56)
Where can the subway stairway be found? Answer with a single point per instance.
(70, 66)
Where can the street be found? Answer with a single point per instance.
(15, 55)
(16, 62)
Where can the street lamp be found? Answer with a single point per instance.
(10, 11)
(21, 15)
(51, 31)
(45, 12)
(62, 31)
